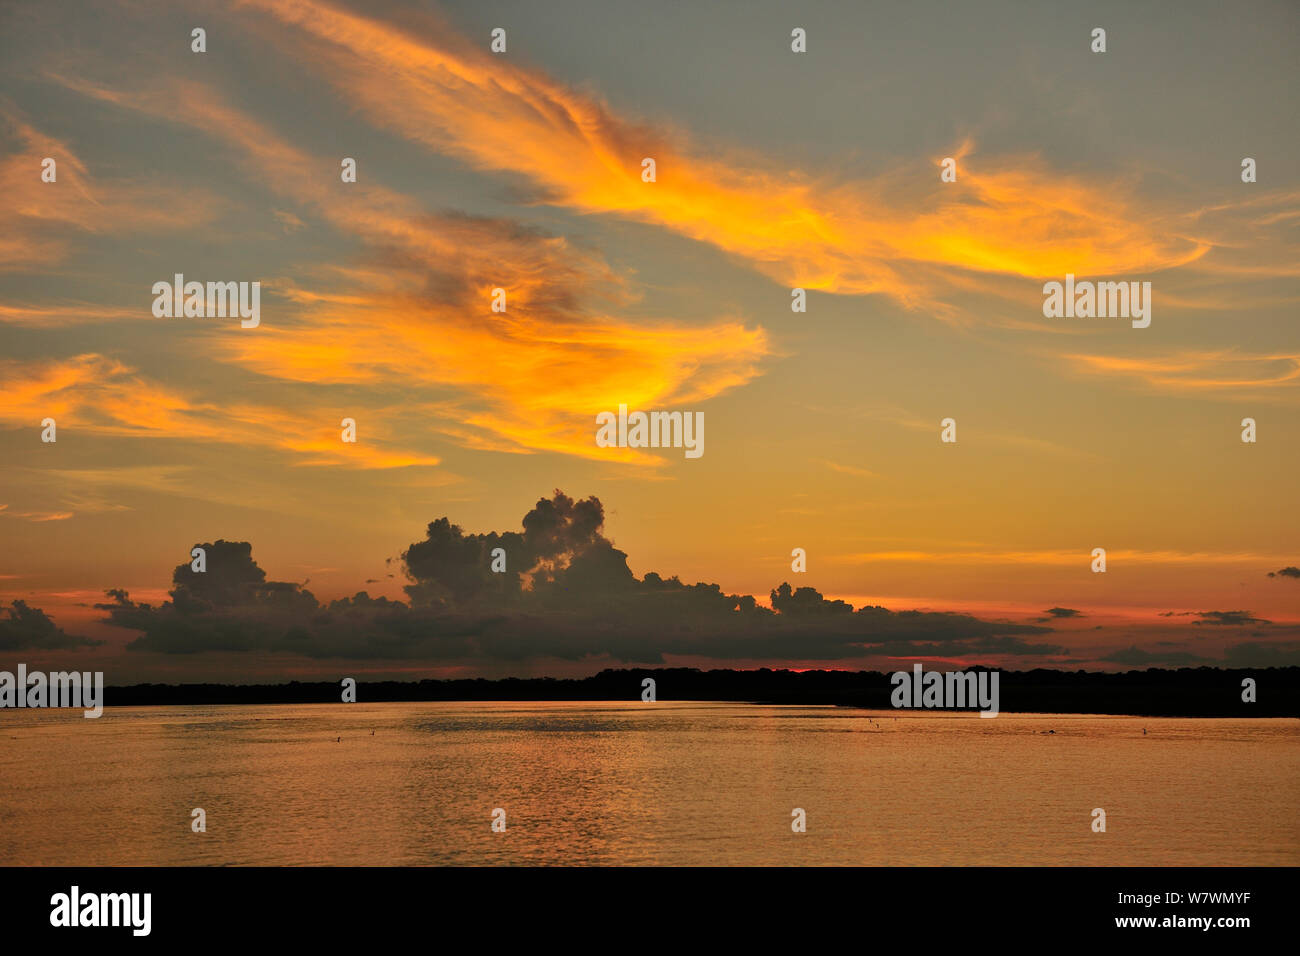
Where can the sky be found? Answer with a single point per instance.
(523, 170)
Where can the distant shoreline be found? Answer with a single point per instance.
(1186, 692)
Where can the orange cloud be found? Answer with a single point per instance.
(1064, 558)
(531, 378)
(102, 396)
(46, 316)
(40, 516)
(457, 98)
(38, 219)
(1190, 371)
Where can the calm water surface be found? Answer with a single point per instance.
(615, 783)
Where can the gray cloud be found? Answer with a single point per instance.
(1138, 657)
(1256, 654)
(1229, 618)
(28, 628)
(568, 593)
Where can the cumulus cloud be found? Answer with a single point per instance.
(29, 628)
(567, 593)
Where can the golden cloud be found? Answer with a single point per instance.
(457, 98)
(102, 396)
(531, 378)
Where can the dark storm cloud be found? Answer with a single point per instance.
(28, 628)
(567, 593)
(1288, 572)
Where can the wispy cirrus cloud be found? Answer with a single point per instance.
(1052, 557)
(853, 470)
(418, 313)
(881, 235)
(103, 396)
(37, 516)
(40, 516)
(40, 220)
(60, 314)
(1206, 371)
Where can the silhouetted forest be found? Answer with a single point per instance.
(1187, 692)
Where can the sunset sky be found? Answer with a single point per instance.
(775, 170)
